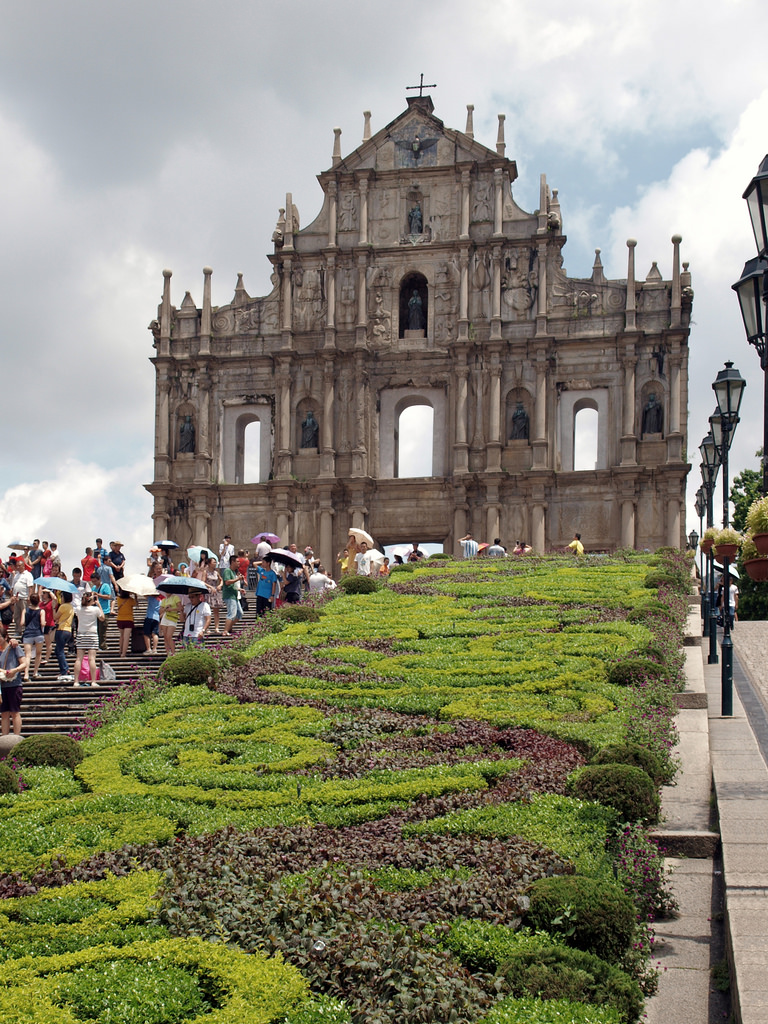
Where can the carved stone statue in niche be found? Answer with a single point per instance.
(520, 427)
(187, 436)
(416, 321)
(310, 431)
(415, 219)
(348, 212)
(482, 207)
(653, 416)
(380, 321)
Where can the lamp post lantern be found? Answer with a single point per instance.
(701, 508)
(729, 388)
(752, 290)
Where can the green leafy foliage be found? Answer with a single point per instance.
(189, 668)
(9, 780)
(628, 789)
(298, 613)
(535, 964)
(549, 1011)
(634, 754)
(359, 585)
(49, 750)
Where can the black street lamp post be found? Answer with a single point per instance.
(710, 465)
(752, 289)
(728, 387)
(701, 508)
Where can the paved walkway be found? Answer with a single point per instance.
(730, 755)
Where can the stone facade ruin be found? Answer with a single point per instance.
(421, 282)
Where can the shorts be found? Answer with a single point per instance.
(48, 629)
(86, 642)
(36, 638)
(125, 623)
(165, 622)
(234, 611)
(12, 699)
(151, 627)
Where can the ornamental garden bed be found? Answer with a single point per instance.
(358, 814)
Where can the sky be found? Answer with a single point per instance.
(141, 135)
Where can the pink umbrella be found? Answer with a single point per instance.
(270, 538)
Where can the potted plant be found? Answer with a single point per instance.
(757, 523)
(708, 539)
(727, 543)
(754, 563)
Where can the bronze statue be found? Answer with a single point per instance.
(187, 436)
(520, 424)
(309, 431)
(653, 416)
(415, 220)
(416, 321)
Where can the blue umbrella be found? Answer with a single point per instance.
(195, 552)
(179, 584)
(166, 544)
(56, 583)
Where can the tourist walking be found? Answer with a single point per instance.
(88, 636)
(13, 661)
(32, 623)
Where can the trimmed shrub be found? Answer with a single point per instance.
(189, 668)
(628, 789)
(634, 754)
(8, 781)
(657, 579)
(298, 613)
(442, 556)
(646, 610)
(591, 914)
(405, 567)
(631, 671)
(546, 1011)
(358, 585)
(538, 965)
(49, 751)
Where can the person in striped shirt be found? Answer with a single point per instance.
(469, 546)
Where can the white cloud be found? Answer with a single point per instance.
(79, 502)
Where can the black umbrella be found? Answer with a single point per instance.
(284, 558)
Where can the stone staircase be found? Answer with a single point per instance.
(50, 706)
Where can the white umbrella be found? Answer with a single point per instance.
(361, 535)
(139, 584)
(377, 556)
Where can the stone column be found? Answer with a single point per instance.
(202, 460)
(286, 288)
(330, 291)
(676, 304)
(162, 435)
(165, 315)
(283, 385)
(360, 450)
(539, 443)
(333, 192)
(327, 452)
(492, 521)
(498, 195)
(629, 439)
(493, 448)
(465, 180)
(541, 297)
(161, 520)
(327, 554)
(630, 316)
(461, 448)
(363, 211)
(362, 298)
(200, 519)
(538, 527)
(673, 522)
(674, 436)
(205, 318)
(464, 294)
(627, 523)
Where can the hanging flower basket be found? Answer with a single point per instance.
(761, 542)
(727, 550)
(706, 545)
(757, 569)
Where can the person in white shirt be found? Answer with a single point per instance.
(226, 550)
(319, 581)
(198, 618)
(469, 546)
(363, 559)
(22, 582)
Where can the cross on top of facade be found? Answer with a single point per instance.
(421, 87)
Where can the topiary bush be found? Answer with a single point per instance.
(442, 556)
(8, 781)
(405, 567)
(189, 668)
(49, 751)
(657, 579)
(634, 754)
(538, 965)
(298, 613)
(626, 788)
(358, 585)
(631, 671)
(591, 914)
(647, 610)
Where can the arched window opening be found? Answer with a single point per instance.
(585, 423)
(414, 304)
(414, 438)
(252, 453)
